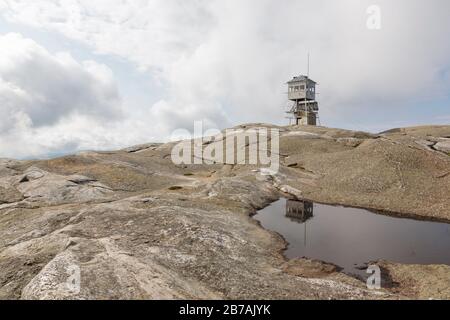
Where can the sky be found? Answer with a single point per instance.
(97, 75)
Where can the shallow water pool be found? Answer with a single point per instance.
(350, 237)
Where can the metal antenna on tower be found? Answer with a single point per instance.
(308, 66)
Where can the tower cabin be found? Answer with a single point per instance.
(299, 211)
(302, 91)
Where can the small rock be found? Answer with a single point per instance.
(443, 146)
(310, 268)
(70, 243)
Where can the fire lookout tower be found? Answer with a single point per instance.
(302, 91)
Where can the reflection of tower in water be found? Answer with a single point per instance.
(300, 211)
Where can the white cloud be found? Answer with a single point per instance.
(45, 88)
(40, 91)
(227, 61)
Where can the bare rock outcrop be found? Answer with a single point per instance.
(137, 226)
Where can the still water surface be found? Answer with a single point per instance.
(350, 237)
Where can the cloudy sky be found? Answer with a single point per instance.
(103, 74)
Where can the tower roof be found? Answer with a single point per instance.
(301, 78)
